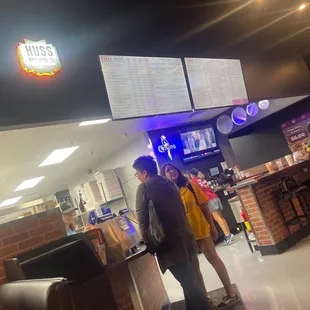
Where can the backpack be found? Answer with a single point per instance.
(190, 187)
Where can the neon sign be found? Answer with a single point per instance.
(166, 146)
(38, 58)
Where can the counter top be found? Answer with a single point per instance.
(286, 170)
(141, 251)
(245, 183)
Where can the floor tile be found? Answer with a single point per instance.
(278, 282)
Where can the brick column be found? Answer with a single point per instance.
(255, 216)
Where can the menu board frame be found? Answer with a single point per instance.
(214, 107)
(186, 84)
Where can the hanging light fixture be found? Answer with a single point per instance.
(224, 124)
(239, 116)
(264, 104)
(252, 109)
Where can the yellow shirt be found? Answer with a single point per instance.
(195, 216)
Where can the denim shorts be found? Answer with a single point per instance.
(215, 205)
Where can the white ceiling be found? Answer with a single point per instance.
(23, 150)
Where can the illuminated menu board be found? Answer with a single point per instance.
(216, 82)
(144, 86)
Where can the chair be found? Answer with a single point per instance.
(297, 193)
(43, 294)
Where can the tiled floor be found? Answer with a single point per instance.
(279, 282)
(216, 296)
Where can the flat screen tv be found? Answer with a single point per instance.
(199, 143)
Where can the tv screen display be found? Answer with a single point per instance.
(198, 141)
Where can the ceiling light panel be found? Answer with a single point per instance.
(95, 122)
(29, 183)
(58, 156)
(10, 201)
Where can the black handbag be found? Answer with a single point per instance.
(156, 234)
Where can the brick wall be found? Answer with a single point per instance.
(148, 282)
(259, 202)
(119, 277)
(255, 216)
(265, 192)
(31, 232)
(138, 285)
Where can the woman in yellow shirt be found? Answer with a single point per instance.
(201, 222)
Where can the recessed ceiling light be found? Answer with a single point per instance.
(28, 184)
(301, 7)
(58, 156)
(10, 201)
(96, 122)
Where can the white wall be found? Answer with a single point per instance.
(121, 161)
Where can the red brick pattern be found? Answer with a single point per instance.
(255, 216)
(119, 280)
(148, 282)
(260, 204)
(28, 233)
(137, 284)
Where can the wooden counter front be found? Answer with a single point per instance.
(258, 200)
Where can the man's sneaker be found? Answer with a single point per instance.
(229, 239)
(228, 302)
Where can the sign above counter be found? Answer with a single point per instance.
(216, 82)
(296, 130)
(144, 86)
(38, 58)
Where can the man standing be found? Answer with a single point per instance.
(177, 250)
(214, 204)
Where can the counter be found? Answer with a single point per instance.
(258, 200)
(135, 279)
(137, 284)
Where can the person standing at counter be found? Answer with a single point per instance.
(214, 204)
(177, 251)
(201, 222)
(68, 213)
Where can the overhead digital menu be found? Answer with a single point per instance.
(144, 86)
(216, 82)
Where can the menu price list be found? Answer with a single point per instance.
(216, 82)
(144, 86)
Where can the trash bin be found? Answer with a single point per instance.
(236, 208)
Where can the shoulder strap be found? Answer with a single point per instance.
(190, 187)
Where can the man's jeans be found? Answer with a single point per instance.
(195, 298)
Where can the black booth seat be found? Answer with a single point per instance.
(74, 259)
(44, 294)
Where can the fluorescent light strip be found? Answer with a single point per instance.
(28, 184)
(96, 122)
(58, 156)
(10, 201)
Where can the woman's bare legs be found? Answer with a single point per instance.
(207, 247)
(217, 215)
